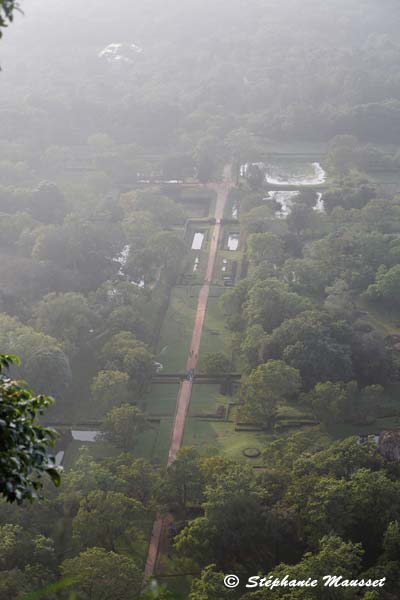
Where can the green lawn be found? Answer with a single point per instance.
(205, 399)
(99, 450)
(215, 336)
(220, 437)
(191, 276)
(152, 445)
(177, 329)
(161, 399)
(160, 449)
(204, 204)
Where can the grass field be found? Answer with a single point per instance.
(177, 329)
(153, 445)
(220, 437)
(98, 450)
(196, 201)
(161, 399)
(205, 399)
(191, 276)
(215, 336)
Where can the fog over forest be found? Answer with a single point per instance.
(199, 300)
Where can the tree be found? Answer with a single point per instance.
(370, 356)
(108, 520)
(231, 303)
(270, 383)
(18, 548)
(171, 249)
(48, 370)
(210, 586)
(391, 542)
(128, 318)
(165, 211)
(242, 145)
(123, 425)
(255, 176)
(252, 344)
(359, 509)
(265, 247)
(139, 364)
(382, 215)
(7, 9)
(215, 363)
(48, 203)
(315, 344)
(284, 452)
(44, 364)
(114, 351)
(110, 388)
(340, 459)
(13, 226)
(177, 166)
(367, 402)
(84, 246)
(234, 532)
(139, 227)
(183, 481)
(138, 476)
(333, 556)
(301, 219)
(306, 276)
(262, 219)
(67, 317)
(319, 359)
(142, 265)
(102, 575)
(349, 195)
(207, 154)
(339, 300)
(24, 454)
(387, 287)
(328, 401)
(269, 303)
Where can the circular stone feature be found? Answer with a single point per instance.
(251, 452)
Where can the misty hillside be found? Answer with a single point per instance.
(288, 69)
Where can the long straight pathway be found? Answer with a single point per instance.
(185, 390)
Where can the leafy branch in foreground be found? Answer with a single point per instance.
(24, 445)
(7, 8)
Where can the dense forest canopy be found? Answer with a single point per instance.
(204, 70)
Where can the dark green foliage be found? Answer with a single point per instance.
(24, 445)
(7, 8)
(215, 363)
(122, 426)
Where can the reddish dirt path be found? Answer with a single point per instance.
(185, 390)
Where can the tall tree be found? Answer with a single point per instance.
(266, 386)
(123, 425)
(102, 575)
(24, 444)
(108, 520)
